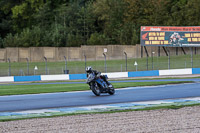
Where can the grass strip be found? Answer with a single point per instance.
(111, 111)
(52, 88)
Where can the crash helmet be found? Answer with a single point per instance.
(88, 69)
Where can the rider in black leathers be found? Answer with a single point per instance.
(97, 74)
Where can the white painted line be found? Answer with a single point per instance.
(38, 111)
(96, 107)
(153, 102)
(195, 99)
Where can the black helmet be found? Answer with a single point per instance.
(88, 69)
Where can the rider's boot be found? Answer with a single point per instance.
(109, 85)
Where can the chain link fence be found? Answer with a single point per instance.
(122, 65)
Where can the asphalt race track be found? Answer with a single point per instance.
(73, 99)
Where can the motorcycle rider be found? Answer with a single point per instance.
(97, 74)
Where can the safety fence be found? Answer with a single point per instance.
(106, 66)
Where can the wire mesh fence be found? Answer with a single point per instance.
(75, 67)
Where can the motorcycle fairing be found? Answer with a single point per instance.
(101, 82)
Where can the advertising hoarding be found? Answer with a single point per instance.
(170, 36)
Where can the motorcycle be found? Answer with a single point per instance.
(98, 85)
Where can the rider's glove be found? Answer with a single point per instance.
(98, 75)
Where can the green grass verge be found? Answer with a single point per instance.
(52, 88)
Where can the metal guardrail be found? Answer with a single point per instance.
(110, 75)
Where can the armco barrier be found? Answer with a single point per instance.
(143, 73)
(7, 79)
(110, 75)
(27, 78)
(117, 75)
(77, 76)
(195, 70)
(175, 72)
(54, 77)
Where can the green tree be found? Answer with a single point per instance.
(110, 15)
(93, 22)
(191, 14)
(177, 13)
(5, 16)
(23, 14)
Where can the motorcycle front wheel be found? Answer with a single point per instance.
(95, 89)
(111, 90)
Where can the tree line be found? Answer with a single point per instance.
(60, 23)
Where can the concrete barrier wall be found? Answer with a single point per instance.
(74, 54)
(24, 53)
(37, 54)
(61, 52)
(110, 75)
(2, 55)
(12, 54)
(50, 53)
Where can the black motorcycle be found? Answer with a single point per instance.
(98, 85)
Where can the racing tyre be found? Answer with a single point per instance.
(96, 90)
(111, 90)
